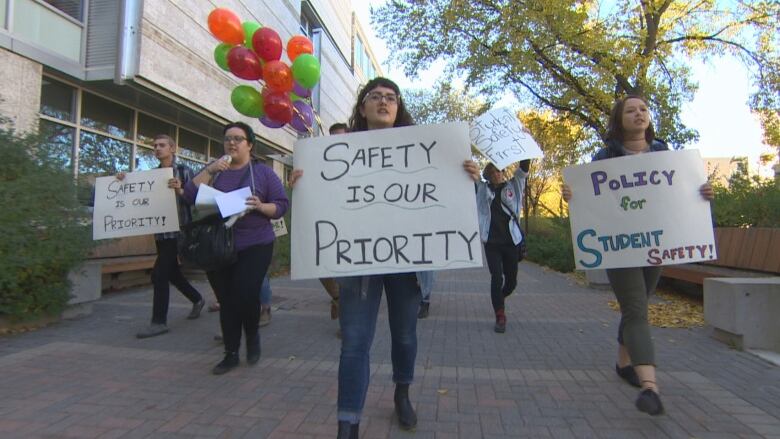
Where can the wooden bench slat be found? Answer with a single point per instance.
(772, 261)
(758, 256)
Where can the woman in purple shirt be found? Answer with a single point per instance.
(237, 286)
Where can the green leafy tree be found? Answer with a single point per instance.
(443, 103)
(576, 57)
(45, 229)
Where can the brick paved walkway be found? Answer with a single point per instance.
(550, 375)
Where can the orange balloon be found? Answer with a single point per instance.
(278, 76)
(225, 25)
(297, 45)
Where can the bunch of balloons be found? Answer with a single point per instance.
(253, 52)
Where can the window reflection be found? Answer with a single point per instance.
(192, 145)
(103, 155)
(57, 145)
(106, 116)
(57, 100)
(148, 127)
(145, 159)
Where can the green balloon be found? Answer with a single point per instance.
(306, 70)
(250, 27)
(247, 101)
(294, 97)
(220, 55)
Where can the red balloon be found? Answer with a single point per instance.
(267, 44)
(244, 63)
(297, 45)
(278, 76)
(277, 106)
(225, 25)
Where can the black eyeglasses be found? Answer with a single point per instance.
(234, 139)
(376, 97)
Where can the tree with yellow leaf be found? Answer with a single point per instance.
(574, 57)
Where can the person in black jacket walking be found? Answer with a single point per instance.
(166, 267)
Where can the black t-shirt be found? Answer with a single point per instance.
(499, 220)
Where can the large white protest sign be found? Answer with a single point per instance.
(140, 204)
(640, 211)
(500, 136)
(384, 201)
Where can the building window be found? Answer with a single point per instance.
(103, 155)
(192, 146)
(106, 116)
(72, 8)
(149, 126)
(58, 100)
(109, 137)
(59, 140)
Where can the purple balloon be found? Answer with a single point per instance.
(270, 123)
(300, 91)
(302, 116)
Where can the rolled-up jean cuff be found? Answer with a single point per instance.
(402, 381)
(351, 417)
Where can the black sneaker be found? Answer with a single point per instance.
(628, 374)
(424, 309)
(152, 330)
(196, 309)
(227, 364)
(650, 403)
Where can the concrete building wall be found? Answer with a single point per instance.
(20, 95)
(176, 55)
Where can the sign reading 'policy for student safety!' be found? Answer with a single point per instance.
(640, 210)
(140, 204)
(384, 201)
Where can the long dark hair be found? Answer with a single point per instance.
(358, 122)
(615, 127)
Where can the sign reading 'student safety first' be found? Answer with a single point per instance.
(384, 201)
(140, 204)
(640, 210)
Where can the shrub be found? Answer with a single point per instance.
(747, 201)
(549, 243)
(45, 231)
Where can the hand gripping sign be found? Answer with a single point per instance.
(640, 211)
(384, 201)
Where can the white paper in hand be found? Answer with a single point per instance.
(233, 202)
(205, 202)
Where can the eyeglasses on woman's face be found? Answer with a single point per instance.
(234, 139)
(377, 97)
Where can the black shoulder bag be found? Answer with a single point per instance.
(208, 243)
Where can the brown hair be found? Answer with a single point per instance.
(615, 126)
(167, 138)
(358, 122)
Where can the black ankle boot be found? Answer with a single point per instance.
(403, 408)
(347, 430)
(229, 362)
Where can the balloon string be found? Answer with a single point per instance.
(308, 127)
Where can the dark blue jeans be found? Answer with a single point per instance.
(358, 312)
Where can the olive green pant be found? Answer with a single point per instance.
(632, 287)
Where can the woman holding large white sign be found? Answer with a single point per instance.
(238, 285)
(379, 106)
(630, 131)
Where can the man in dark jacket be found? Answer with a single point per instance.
(166, 268)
